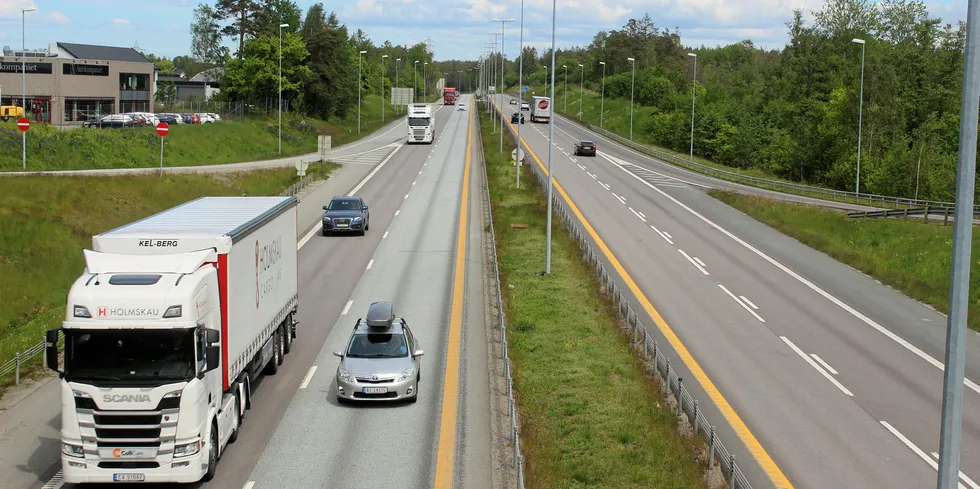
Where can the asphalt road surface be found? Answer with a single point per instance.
(832, 379)
(295, 428)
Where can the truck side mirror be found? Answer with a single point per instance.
(213, 356)
(51, 349)
(212, 336)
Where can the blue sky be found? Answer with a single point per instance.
(458, 28)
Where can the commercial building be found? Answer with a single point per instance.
(69, 83)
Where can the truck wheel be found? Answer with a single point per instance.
(238, 419)
(289, 334)
(273, 366)
(282, 345)
(212, 454)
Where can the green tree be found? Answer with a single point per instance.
(206, 45)
(242, 16)
(328, 91)
(269, 14)
(256, 76)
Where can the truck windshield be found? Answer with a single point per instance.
(129, 355)
(375, 345)
(418, 121)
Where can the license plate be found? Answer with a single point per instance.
(128, 477)
(375, 390)
(341, 225)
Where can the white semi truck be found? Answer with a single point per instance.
(540, 109)
(165, 331)
(421, 124)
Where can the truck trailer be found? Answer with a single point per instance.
(421, 124)
(540, 109)
(165, 332)
(449, 96)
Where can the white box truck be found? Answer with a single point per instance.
(540, 109)
(165, 331)
(421, 124)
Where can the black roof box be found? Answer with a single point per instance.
(380, 315)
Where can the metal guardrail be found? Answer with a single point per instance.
(297, 187)
(20, 358)
(946, 212)
(515, 426)
(765, 183)
(685, 405)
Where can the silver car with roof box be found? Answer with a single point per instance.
(382, 359)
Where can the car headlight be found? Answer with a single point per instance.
(326, 218)
(357, 219)
(345, 375)
(187, 449)
(72, 450)
(406, 374)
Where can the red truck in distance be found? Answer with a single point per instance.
(449, 96)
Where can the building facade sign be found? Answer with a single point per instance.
(81, 69)
(31, 68)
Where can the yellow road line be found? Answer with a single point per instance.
(445, 458)
(751, 442)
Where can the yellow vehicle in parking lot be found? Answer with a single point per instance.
(8, 112)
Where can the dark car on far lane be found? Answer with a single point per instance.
(517, 118)
(585, 148)
(345, 215)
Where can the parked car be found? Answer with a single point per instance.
(517, 118)
(346, 214)
(585, 148)
(110, 121)
(168, 118)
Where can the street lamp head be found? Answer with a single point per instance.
(363, 52)
(28, 9)
(416, 62)
(398, 59)
(580, 65)
(602, 62)
(859, 41)
(283, 25)
(425, 63)
(693, 55)
(630, 59)
(384, 56)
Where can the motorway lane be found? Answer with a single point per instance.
(329, 266)
(893, 384)
(320, 443)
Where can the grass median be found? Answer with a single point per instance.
(45, 222)
(589, 414)
(231, 141)
(912, 256)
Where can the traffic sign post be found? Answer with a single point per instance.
(24, 124)
(162, 130)
(525, 88)
(517, 155)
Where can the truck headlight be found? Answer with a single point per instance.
(344, 375)
(406, 374)
(187, 449)
(72, 450)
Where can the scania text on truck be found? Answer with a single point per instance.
(166, 329)
(449, 96)
(540, 109)
(421, 125)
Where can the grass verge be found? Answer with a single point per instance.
(590, 416)
(912, 256)
(45, 222)
(50, 148)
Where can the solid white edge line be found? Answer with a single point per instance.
(825, 364)
(661, 234)
(370, 264)
(746, 299)
(699, 267)
(854, 312)
(933, 463)
(744, 306)
(637, 214)
(814, 365)
(346, 308)
(306, 382)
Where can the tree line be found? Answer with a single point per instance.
(794, 112)
(319, 56)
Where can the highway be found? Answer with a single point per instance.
(421, 253)
(826, 377)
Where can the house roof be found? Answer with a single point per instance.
(209, 75)
(106, 53)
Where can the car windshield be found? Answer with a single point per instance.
(378, 345)
(418, 121)
(129, 355)
(343, 205)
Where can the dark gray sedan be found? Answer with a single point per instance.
(346, 215)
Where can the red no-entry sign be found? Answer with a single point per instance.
(163, 129)
(23, 124)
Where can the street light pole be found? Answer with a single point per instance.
(397, 60)
(415, 82)
(581, 90)
(551, 139)
(280, 85)
(951, 432)
(857, 181)
(502, 24)
(602, 96)
(360, 82)
(632, 84)
(520, 100)
(23, 70)
(383, 87)
(498, 72)
(425, 81)
(694, 92)
(566, 87)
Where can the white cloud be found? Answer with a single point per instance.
(56, 17)
(120, 21)
(12, 8)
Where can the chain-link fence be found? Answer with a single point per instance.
(656, 356)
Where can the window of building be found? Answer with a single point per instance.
(127, 106)
(83, 109)
(134, 81)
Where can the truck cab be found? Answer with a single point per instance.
(421, 126)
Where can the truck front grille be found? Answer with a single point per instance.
(128, 428)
